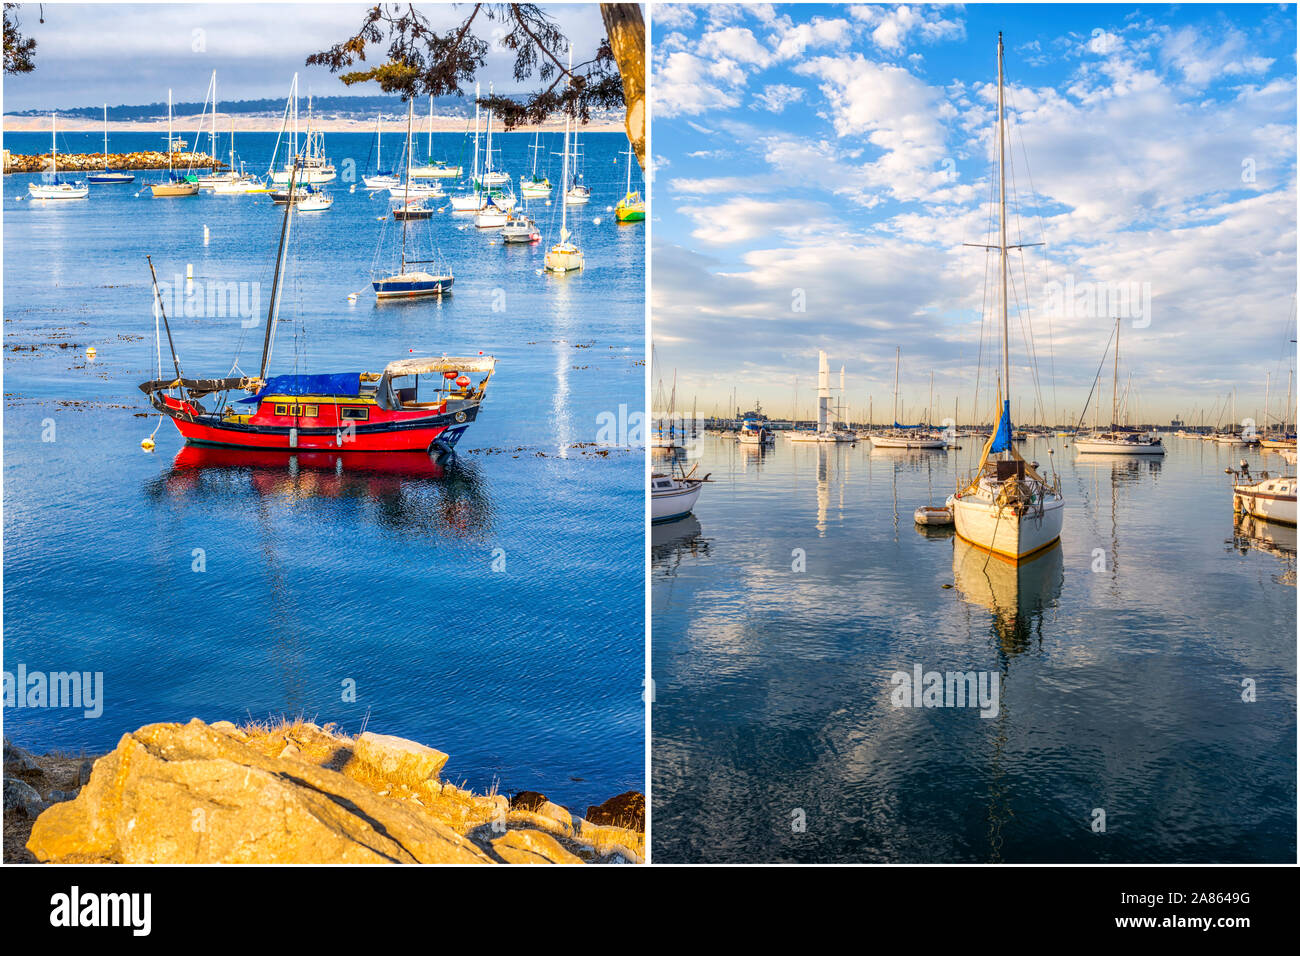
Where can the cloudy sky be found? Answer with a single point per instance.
(87, 54)
(837, 157)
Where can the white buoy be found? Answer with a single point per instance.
(596, 221)
(352, 188)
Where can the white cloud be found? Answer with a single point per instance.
(777, 96)
(891, 28)
(682, 87)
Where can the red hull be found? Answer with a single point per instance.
(409, 439)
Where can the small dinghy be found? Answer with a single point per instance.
(932, 515)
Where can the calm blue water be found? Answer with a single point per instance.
(324, 569)
(1120, 688)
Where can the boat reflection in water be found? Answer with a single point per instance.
(1019, 594)
(1255, 534)
(405, 491)
(674, 541)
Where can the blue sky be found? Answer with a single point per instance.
(130, 53)
(846, 151)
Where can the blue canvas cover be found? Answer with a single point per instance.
(1002, 437)
(345, 384)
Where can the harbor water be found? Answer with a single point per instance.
(482, 608)
(1145, 668)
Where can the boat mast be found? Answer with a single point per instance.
(487, 163)
(170, 173)
(1002, 227)
(54, 144)
(406, 198)
(564, 178)
(105, 137)
(430, 126)
(898, 351)
(1267, 377)
(273, 309)
(379, 143)
(1114, 383)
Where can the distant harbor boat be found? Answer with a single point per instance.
(56, 188)
(108, 177)
(173, 186)
(900, 436)
(1118, 441)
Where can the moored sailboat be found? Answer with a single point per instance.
(565, 256)
(54, 187)
(417, 282)
(1117, 440)
(631, 208)
(173, 186)
(108, 177)
(1007, 507)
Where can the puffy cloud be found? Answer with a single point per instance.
(777, 96)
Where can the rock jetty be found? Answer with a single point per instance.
(294, 793)
(89, 162)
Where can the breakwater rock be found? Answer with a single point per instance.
(296, 793)
(89, 162)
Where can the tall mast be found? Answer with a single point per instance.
(406, 198)
(474, 175)
(105, 137)
(564, 179)
(379, 143)
(54, 143)
(487, 164)
(273, 309)
(214, 120)
(898, 351)
(1114, 384)
(169, 130)
(430, 126)
(1002, 226)
(1267, 376)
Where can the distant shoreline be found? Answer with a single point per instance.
(184, 126)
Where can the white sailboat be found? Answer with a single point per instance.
(314, 167)
(491, 177)
(534, 186)
(471, 201)
(576, 193)
(1118, 441)
(898, 437)
(1007, 507)
(434, 168)
(564, 256)
(381, 179)
(55, 188)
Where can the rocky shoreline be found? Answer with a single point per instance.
(291, 793)
(91, 162)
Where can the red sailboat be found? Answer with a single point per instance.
(382, 411)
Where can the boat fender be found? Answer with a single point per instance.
(293, 437)
(147, 444)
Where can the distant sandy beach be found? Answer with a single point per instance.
(186, 125)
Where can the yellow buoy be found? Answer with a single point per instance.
(147, 444)
(90, 352)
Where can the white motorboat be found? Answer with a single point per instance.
(674, 496)
(1270, 497)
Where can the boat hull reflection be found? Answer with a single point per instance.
(409, 491)
(1017, 593)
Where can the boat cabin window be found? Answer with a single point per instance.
(282, 409)
(663, 484)
(356, 413)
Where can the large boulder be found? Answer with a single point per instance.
(173, 793)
